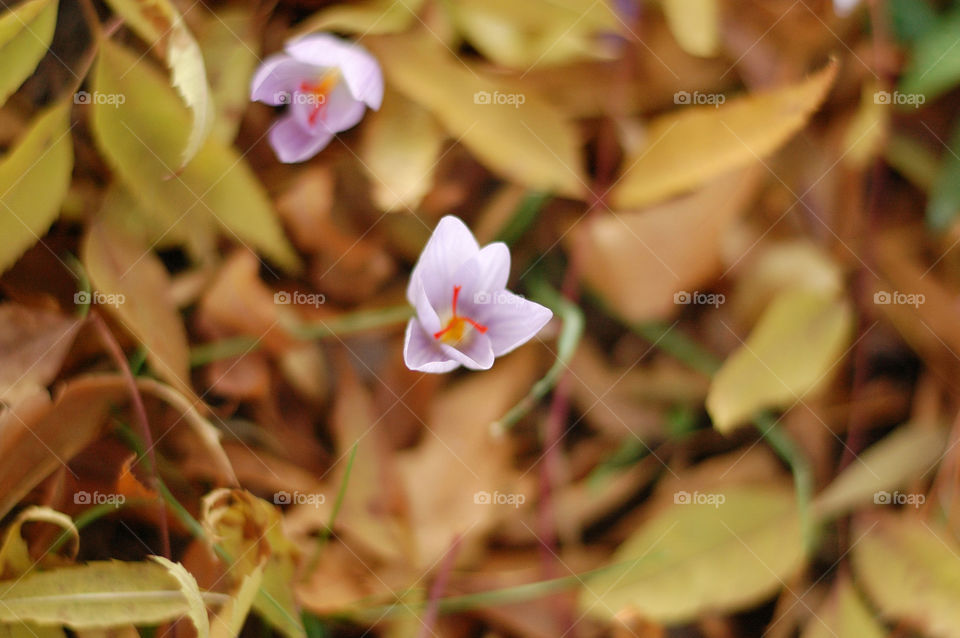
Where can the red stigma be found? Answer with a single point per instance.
(456, 320)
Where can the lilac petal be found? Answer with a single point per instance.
(340, 112)
(420, 351)
(293, 144)
(360, 70)
(476, 354)
(482, 278)
(449, 247)
(511, 320)
(275, 79)
(494, 266)
(425, 312)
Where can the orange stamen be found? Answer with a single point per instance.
(456, 322)
(321, 91)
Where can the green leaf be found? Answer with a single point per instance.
(25, 34)
(843, 615)
(34, 178)
(530, 143)
(790, 352)
(934, 66)
(911, 571)
(904, 455)
(702, 557)
(161, 26)
(98, 594)
(694, 143)
(141, 140)
(121, 266)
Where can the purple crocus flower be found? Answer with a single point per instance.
(327, 82)
(465, 315)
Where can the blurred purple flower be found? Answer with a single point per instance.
(327, 84)
(465, 314)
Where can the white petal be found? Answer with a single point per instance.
(511, 320)
(277, 77)
(292, 143)
(476, 354)
(360, 70)
(420, 351)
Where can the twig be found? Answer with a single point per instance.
(140, 414)
(437, 588)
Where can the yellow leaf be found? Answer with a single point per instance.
(368, 18)
(29, 630)
(902, 456)
(695, 24)
(401, 145)
(34, 178)
(843, 615)
(534, 33)
(141, 140)
(716, 552)
(134, 278)
(911, 571)
(692, 144)
(867, 130)
(15, 559)
(160, 25)
(196, 610)
(229, 620)
(25, 34)
(250, 530)
(638, 260)
(231, 48)
(517, 135)
(796, 343)
(98, 594)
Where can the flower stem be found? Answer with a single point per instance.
(567, 343)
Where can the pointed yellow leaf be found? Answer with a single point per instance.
(98, 594)
(25, 33)
(229, 620)
(142, 138)
(695, 24)
(796, 343)
(714, 552)
(517, 135)
(695, 143)
(15, 557)
(911, 570)
(400, 148)
(906, 454)
(34, 178)
(196, 610)
(160, 24)
(843, 615)
(368, 18)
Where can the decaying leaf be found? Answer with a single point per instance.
(33, 344)
(844, 615)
